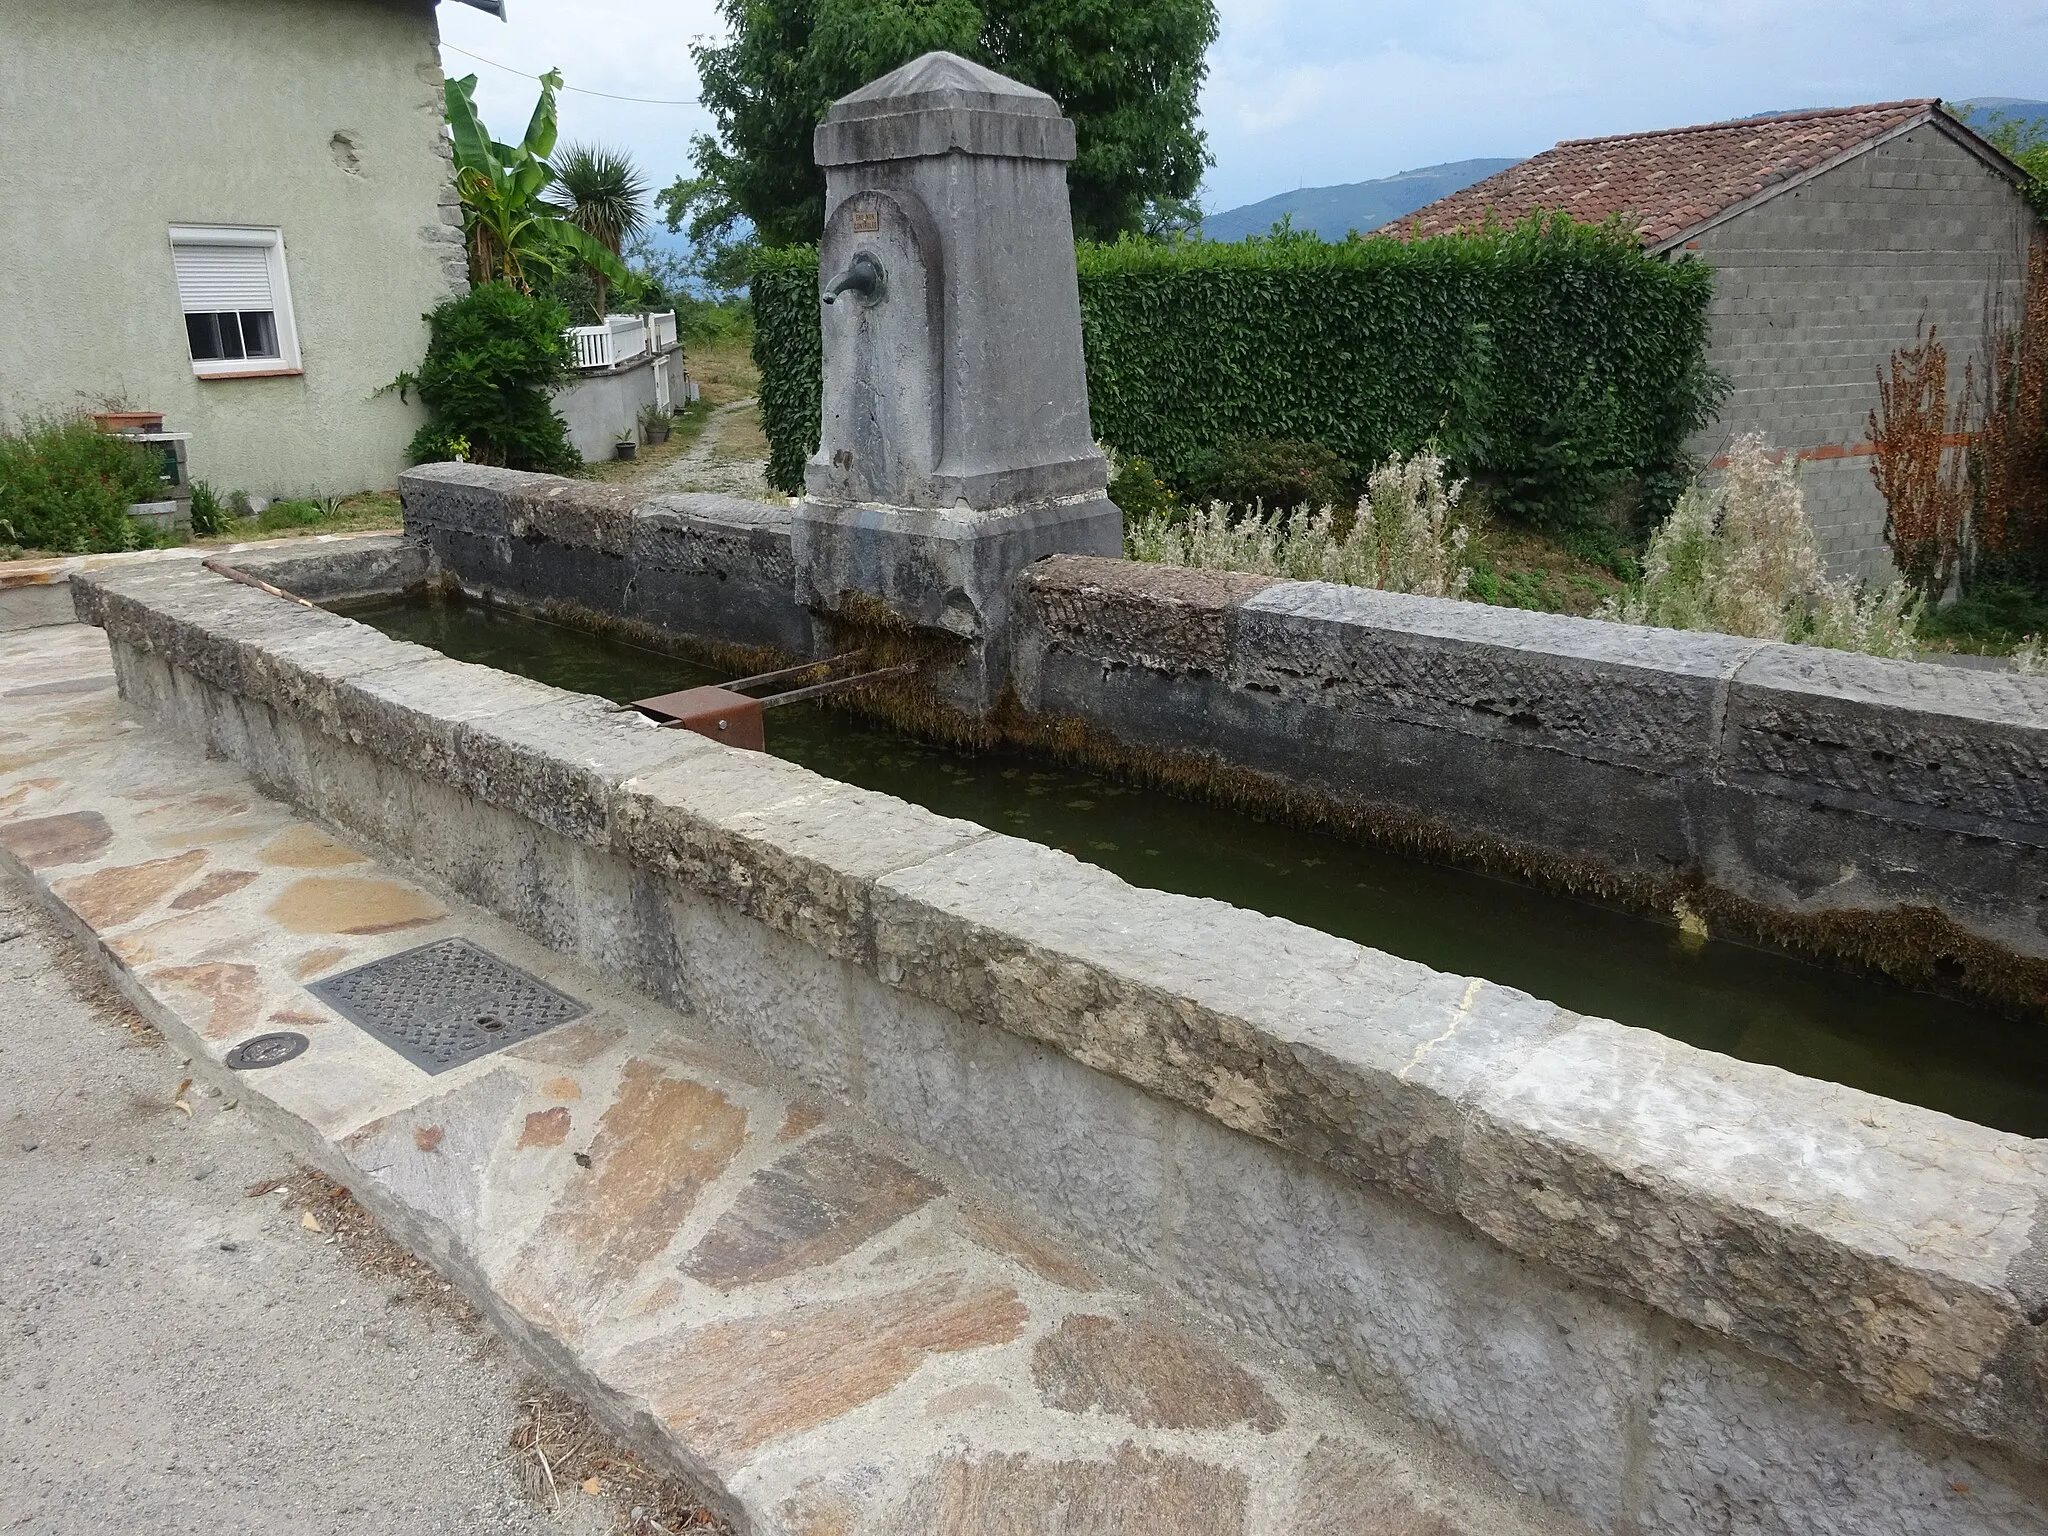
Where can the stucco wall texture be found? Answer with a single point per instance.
(1816, 287)
(124, 117)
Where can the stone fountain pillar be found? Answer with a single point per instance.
(955, 446)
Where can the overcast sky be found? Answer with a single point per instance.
(1310, 92)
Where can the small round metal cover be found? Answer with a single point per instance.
(267, 1050)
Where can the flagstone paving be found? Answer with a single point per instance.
(838, 1335)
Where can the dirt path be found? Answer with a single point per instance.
(177, 1356)
(730, 455)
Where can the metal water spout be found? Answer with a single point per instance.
(863, 276)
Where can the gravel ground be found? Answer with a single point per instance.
(179, 1356)
(712, 465)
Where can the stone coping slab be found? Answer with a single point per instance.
(829, 1331)
(1892, 1249)
(58, 569)
(34, 593)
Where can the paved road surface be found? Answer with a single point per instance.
(178, 1357)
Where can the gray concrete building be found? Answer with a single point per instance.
(1835, 236)
(234, 212)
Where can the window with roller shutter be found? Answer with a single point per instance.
(237, 305)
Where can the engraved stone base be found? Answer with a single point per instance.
(948, 571)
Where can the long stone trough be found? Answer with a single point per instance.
(1659, 1289)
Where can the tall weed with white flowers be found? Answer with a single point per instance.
(1741, 559)
(1402, 537)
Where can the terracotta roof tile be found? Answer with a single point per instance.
(1668, 181)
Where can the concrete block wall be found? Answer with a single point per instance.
(1816, 287)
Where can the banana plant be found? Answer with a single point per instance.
(513, 234)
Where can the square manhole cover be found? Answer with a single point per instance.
(446, 1003)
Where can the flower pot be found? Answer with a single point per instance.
(657, 432)
(625, 450)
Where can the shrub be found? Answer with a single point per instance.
(66, 486)
(1554, 360)
(1137, 489)
(1275, 472)
(1742, 559)
(1402, 537)
(789, 352)
(492, 359)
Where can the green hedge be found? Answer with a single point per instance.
(1554, 360)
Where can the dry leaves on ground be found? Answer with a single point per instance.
(562, 1453)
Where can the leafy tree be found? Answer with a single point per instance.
(1126, 71)
(493, 357)
(513, 233)
(599, 190)
(2024, 140)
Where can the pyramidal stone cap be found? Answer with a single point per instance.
(936, 105)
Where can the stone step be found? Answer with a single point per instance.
(829, 1329)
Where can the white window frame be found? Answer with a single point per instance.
(271, 241)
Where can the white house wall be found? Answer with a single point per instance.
(124, 117)
(1816, 287)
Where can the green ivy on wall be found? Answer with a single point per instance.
(1554, 361)
(789, 350)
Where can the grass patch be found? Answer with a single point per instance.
(1516, 566)
(1991, 619)
(724, 370)
(365, 512)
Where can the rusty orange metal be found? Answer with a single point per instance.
(719, 713)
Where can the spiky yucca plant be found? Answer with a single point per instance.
(599, 190)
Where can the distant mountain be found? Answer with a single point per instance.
(1333, 212)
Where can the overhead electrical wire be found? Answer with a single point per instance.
(645, 101)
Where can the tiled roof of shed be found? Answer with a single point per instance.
(1668, 181)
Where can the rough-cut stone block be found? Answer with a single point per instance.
(412, 714)
(1341, 1053)
(465, 498)
(559, 762)
(1810, 1222)
(1955, 748)
(1543, 1376)
(719, 567)
(331, 570)
(1621, 694)
(789, 847)
(1128, 613)
(1737, 1445)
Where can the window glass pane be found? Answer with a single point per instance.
(259, 332)
(204, 336)
(230, 336)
